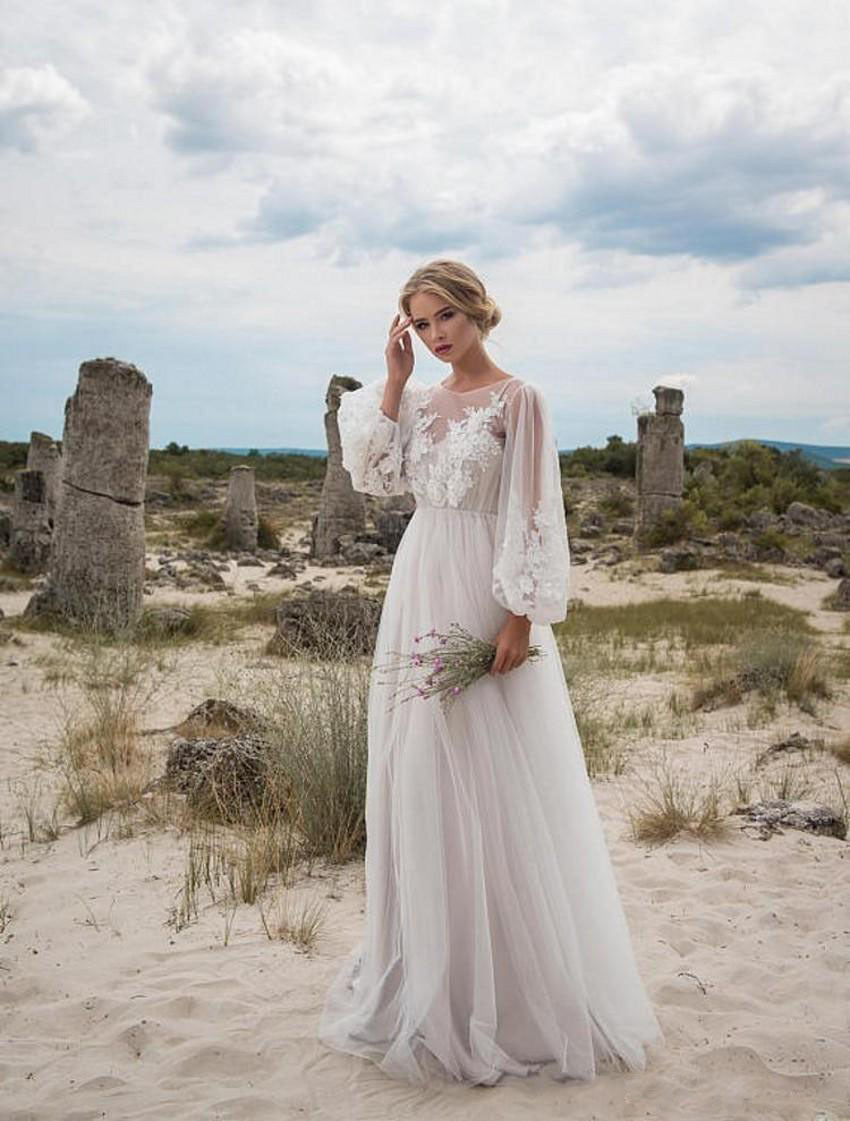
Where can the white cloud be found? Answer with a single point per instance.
(37, 104)
(648, 191)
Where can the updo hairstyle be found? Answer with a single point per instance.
(459, 286)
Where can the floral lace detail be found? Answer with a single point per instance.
(467, 446)
(537, 552)
(371, 442)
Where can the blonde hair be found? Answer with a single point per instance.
(459, 286)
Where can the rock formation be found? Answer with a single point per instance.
(31, 529)
(44, 455)
(240, 511)
(97, 560)
(660, 458)
(342, 509)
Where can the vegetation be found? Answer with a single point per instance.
(183, 463)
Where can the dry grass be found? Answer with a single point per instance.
(104, 763)
(297, 922)
(673, 803)
(770, 664)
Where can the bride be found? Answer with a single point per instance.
(495, 940)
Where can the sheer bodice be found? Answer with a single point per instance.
(490, 451)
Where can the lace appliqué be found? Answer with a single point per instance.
(445, 478)
(537, 580)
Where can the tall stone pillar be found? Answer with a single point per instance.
(240, 510)
(31, 529)
(660, 458)
(342, 509)
(43, 455)
(97, 561)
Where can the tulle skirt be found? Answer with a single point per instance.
(495, 941)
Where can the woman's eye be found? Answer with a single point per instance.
(447, 314)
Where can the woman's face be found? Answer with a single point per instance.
(446, 331)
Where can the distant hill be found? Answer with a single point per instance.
(827, 458)
(274, 451)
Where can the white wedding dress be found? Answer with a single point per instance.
(495, 940)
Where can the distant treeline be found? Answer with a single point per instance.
(737, 480)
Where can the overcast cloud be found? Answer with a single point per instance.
(231, 196)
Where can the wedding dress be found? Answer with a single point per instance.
(495, 940)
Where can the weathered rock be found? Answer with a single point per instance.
(5, 527)
(228, 779)
(660, 459)
(760, 520)
(323, 621)
(795, 742)
(43, 455)
(835, 568)
(684, 558)
(240, 518)
(31, 529)
(809, 816)
(361, 552)
(97, 560)
(802, 514)
(342, 509)
(215, 715)
(205, 573)
(284, 570)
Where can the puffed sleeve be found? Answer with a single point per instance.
(531, 560)
(372, 443)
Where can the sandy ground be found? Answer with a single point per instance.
(108, 1012)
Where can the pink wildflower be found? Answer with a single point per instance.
(456, 689)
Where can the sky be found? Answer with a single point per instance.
(231, 196)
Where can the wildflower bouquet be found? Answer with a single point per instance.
(453, 662)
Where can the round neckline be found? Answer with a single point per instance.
(477, 389)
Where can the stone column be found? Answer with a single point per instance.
(240, 510)
(660, 458)
(31, 529)
(97, 562)
(43, 455)
(342, 509)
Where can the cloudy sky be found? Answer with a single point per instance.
(230, 195)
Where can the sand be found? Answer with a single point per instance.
(109, 1012)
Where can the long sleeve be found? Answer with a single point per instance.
(531, 559)
(372, 443)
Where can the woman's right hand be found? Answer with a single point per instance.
(399, 351)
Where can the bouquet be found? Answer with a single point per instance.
(451, 664)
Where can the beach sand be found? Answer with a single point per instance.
(109, 1012)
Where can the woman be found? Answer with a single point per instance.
(495, 940)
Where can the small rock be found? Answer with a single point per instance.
(808, 816)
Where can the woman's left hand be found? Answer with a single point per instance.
(511, 644)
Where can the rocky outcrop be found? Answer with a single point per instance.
(326, 622)
(342, 509)
(43, 455)
(97, 560)
(660, 459)
(31, 530)
(240, 520)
